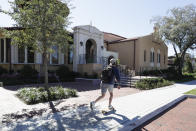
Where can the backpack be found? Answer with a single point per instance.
(107, 74)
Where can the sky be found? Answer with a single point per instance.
(128, 18)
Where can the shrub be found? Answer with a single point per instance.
(152, 83)
(28, 72)
(71, 92)
(85, 74)
(169, 73)
(65, 74)
(95, 75)
(2, 71)
(188, 67)
(37, 95)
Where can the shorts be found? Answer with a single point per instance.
(104, 87)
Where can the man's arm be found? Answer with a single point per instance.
(117, 76)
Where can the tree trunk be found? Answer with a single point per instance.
(45, 69)
(180, 68)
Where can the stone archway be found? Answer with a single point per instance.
(91, 51)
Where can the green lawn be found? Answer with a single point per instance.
(192, 92)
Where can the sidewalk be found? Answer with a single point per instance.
(130, 111)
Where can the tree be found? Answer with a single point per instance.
(178, 29)
(42, 25)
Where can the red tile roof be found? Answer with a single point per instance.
(109, 37)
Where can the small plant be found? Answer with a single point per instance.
(2, 71)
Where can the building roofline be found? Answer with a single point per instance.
(114, 35)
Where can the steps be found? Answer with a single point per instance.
(128, 80)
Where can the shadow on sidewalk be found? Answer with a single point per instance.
(193, 82)
(79, 118)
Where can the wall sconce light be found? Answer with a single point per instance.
(81, 43)
(102, 47)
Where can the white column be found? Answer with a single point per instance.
(4, 61)
(26, 54)
(75, 55)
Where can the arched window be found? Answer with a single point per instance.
(158, 56)
(152, 55)
(144, 55)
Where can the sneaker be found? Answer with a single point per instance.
(110, 107)
(92, 104)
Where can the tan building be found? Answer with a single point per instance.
(140, 53)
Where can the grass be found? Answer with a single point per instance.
(38, 95)
(192, 92)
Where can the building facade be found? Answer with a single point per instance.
(89, 53)
(140, 53)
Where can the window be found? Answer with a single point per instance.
(144, 55)
(55, 55)
(152, 55)
(70, 55)
(2, 50)
(30, 55)
(158, 57)
(21, 54)
(8, 50)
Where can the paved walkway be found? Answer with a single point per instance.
(10, 103)
(130, 109)
(180, 118)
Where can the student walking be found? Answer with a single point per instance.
(109, 76)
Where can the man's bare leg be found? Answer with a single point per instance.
(100, 97)
(110, 99)
(92, 104)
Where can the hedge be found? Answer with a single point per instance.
(38, 95)
(151, 83)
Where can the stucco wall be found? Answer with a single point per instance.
(125, 51)
(146, 43)
(89, 68)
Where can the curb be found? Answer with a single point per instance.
(131, 125)
(190, 96)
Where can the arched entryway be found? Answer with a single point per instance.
(91, 51)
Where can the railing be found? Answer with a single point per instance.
(84, 59)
